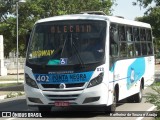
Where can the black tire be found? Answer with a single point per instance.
(112, 108)
(44, 108)
(131, 99)
(138, 96)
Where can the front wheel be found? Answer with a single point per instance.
(112, 108)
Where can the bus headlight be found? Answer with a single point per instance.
(96, 81)
(30, 81)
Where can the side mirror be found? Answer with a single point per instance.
(27, 38)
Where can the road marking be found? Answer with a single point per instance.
(150, 109)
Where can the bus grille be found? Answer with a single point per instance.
(62, 97)
(67, 85)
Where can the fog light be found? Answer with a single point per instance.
(35, 100)
(91, 99)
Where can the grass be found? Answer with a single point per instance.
(156, 84)
(9, 84)
(11, 77)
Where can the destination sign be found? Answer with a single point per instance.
(71, 28)
(65, 78)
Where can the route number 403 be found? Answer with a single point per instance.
(43, 78)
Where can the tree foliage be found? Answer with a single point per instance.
(33, 10)
(146, 3)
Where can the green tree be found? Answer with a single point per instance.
(33, 10)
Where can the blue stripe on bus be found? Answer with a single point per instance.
(63, 78)
(134, 73)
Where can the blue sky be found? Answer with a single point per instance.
(127, 10)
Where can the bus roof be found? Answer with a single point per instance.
(113, 19)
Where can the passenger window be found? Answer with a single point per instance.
(149, 48)
(148, 34)
(123, 49)
(144, 48)
(114, 39)
(137, 49)
(121, 31)
(142, 35)
(136, 34)
(129, 35)
(130, 49)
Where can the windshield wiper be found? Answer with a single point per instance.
(77, 53)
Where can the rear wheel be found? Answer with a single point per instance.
(138, 96)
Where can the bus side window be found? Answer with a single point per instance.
(137, 49)
(114, 40)
(142, 34)
(130, 50)
(143, 41)
(122, 43)
(144, 48)
(149, 48)
(129, 34)
(123, 49)
(148, 35)
(129, 37)
(149, 42)
(136, 34)
(121, 31)
(136, 39)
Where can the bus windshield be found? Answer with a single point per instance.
(67, 42)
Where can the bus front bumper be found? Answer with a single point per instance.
(97, 95)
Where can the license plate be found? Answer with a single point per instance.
(61, 104)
